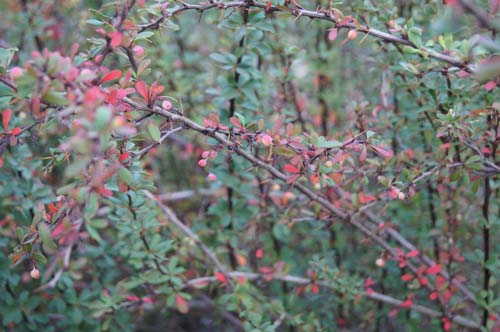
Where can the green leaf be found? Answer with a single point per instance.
(154, 132)
(55, 98)
(145, 35)
(93, 21)
(281, 231)
(102, 117)
(39, 258)
(125, 175)
(93, 233)
(323, 143)
(44, 232)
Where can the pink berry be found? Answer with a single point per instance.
(35, 273)
(138, 50)
(212, 177)
(202, 162)
(166, 105)
(205, 154)
(15, 73)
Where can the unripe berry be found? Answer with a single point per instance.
(352, 34)
(266, 140)
(15, 73)
(166, 105)
(380, 262)
(35, 273)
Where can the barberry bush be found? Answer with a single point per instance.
(249, 165)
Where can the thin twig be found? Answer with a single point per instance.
(187, 231)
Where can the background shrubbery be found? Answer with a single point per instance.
(249, 166)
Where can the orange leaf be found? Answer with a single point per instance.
(6, 118)
(242, 260)
(142, 89)
(112, 75)
(220, 277)
(181, 304)
(332, 35)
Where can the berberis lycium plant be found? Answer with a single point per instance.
(249, 165)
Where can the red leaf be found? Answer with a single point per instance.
(236, 122)
(6, 118)
(490, 85)
(112, 75)
(435, 269)
(406, 304)
(446, 324)
(220, 277)
(16, 131)
(362, 156)
(412, 253)
(158, 89)
(382, 152)
(132, 298)
(494, 6)
(105, 192)
(123, 156)
(291, 169)
(181, 304)
(363, 199)
(406, 277)
(369, 282)
(116, 38)
(142, 89)
(268, 6)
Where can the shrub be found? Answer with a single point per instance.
(246, 165)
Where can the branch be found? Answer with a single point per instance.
(186, 194)
(320, 14)
(372, 295)
(481, 16)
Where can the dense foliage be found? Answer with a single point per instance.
(249, 166)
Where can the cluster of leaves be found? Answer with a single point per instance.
(280, 174)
